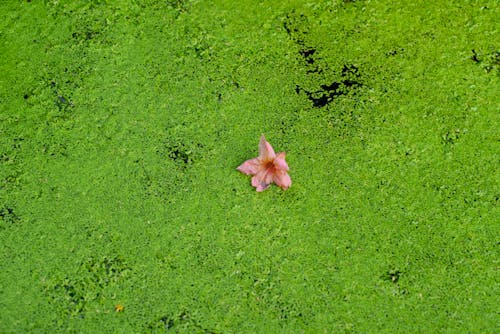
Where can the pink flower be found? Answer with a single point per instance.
(267, 168)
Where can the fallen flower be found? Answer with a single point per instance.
(267, 168)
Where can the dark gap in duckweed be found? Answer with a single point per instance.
(166, 322)
(328, 92)
(452, 196)
(63, 78)
(292, 23)
(8, 217)
(17, 143)
(10, 175)
(392, 275)
(488, 61)
(89, 23)
(395, 52)
(55, 149)
(307, 54)
(70, 295)
(62, 101)
(9, 182)
(180, 5)
(451, 137)
(445, 191)
(286, 125)
(350, 78)
(175, 322)
(287, 311)
(105, 269)
(293, 26)
(181, 153)
(178, 153)
(9, 155)
(6, 158)
(93, 276)
(475, 57)
(85, 35)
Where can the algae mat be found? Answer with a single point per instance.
(122, 124)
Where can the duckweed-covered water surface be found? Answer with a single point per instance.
(122, 124)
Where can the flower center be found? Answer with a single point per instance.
(269, 164)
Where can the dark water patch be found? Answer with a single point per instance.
(176, 155)
(60, 89)
(179, 154)
(73, 293)
(181, 6)
(475, 57)
(183, 154)
(10, 181)
(395, 52)
(63, 103)
(450, 137)
(348, 77)
(489, 61)
(349, 82)
(392, 275)
(307, 54)
(10, 174)
(10, 152)
(295, 25)
(297, 29)
(179, 147)
(176, 322)
(8, 217)
(85, 35)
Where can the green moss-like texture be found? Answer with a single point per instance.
(122, 123)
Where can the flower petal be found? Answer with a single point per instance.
(250, 167)
(280, 163)
(262, 179)
(259, 184)
(283, 180)
(266, 151)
